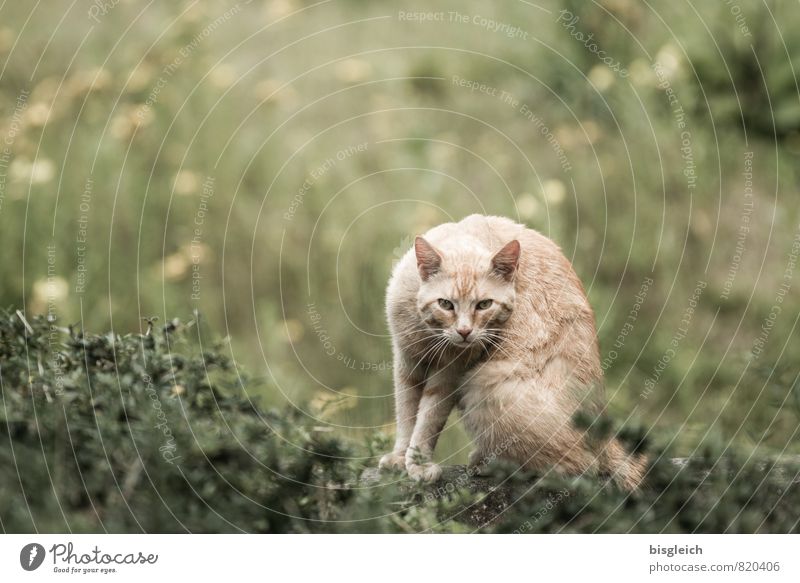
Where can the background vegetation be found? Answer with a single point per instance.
(266, 163)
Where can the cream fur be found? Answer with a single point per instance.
(526, 364)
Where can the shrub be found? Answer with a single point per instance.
(158, 432)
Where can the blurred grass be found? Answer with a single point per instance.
(262, 99)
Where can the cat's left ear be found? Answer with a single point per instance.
(506, 261)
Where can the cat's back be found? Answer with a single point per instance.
(475, 231)
(491, 231)
(475, 235)
(486, 233)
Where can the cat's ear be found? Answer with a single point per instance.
(428, 258)
(505, 261)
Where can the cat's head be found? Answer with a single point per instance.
(467, 295)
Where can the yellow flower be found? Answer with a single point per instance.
(277, 8)
(641, 74)
(6, 38)
(140, 77)
(601, 77)
(353, 70)
(527, 205)
(95, 79)
(38, 114)
(175, 266)
(223, 76)
(293, 330)
(129, 119)
(186, 182)
(141, 115)
(39, 171)
(669, 57)
(266, 88)
(554, 191)
(48, 291)
(197, 252)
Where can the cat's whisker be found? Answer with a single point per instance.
(440, 350)
(428, 352)
(426, 338)
(442, 353)
(499, 349)
(408, 333)
(500, 342)
(507, 339)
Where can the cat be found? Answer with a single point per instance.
(488, 316)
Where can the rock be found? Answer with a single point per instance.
(499, 496)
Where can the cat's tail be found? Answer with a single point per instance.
(626, 469)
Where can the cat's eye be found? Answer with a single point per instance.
(483, 304)
(445, 304)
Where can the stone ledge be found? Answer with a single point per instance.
(500, 496)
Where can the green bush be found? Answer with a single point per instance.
(157, 432)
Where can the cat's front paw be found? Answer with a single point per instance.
(392, 461)
(426, 472)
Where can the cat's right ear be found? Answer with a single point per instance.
(428, 259)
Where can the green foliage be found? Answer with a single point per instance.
(158, 432)
(127, 433)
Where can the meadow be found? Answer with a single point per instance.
(264, 165)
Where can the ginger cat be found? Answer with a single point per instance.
(488, 316)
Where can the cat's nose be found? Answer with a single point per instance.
(464, 332)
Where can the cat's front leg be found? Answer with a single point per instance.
(435, 405)
(407, 394)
